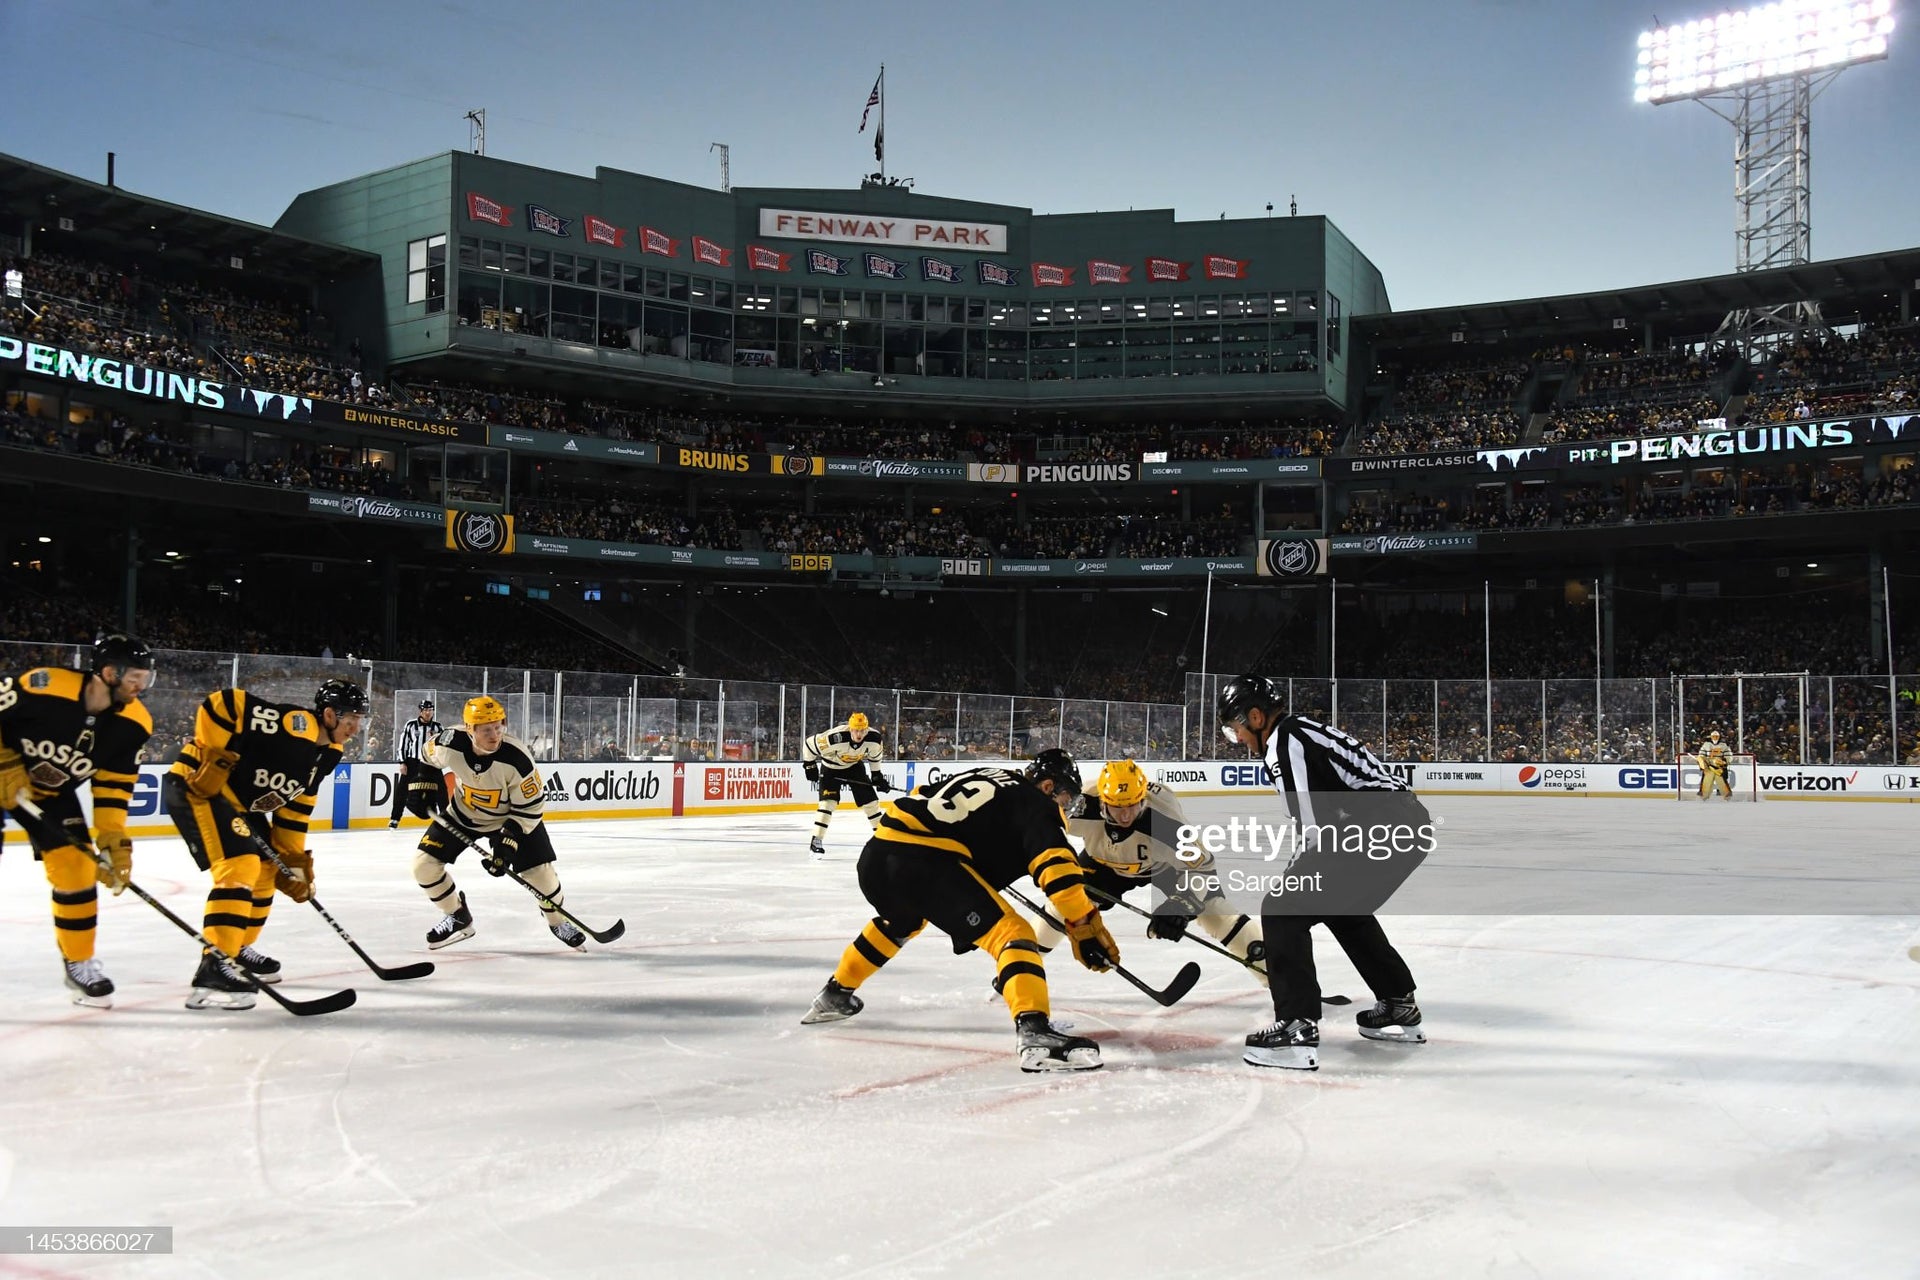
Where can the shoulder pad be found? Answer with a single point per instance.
(54, 682)
(137, 712)
(302, 723)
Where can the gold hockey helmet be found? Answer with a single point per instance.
(858, 722)
(1122, 788)
(484, 710)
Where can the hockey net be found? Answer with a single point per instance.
(1743, 779)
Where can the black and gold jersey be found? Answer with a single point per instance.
(999, 822)
(44, 717)
(490, 790)
(838, 752)
(284, 756)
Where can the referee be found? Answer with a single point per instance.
(1340, 795)
(419, 782)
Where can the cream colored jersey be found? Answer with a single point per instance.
(490, 790)
(1144, 849)
(836, 750)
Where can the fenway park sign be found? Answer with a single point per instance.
(883, 229)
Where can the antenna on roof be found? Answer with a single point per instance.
(477, 130)
(726, 164)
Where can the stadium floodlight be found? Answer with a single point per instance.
(1759, 69)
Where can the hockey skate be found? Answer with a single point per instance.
(215, 986)
(832, 1004)
(1044, 1047)
(568, 933)
(816, 849)
(1294, 1044)
(453, 926)
(1396, 1021)
(91, 985)
(261, 965)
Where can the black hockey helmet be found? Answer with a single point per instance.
(1244, 693)
(120, 650)
(426, 704)
(344, 696)
(1058, 765)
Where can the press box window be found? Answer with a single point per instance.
(427, 272)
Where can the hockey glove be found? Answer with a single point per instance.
(880, 781)
(506, 847)
(295, 876)
(1093, 946)
(115, 867)
(210, 779)
(812, 770)
(15, 786)
(1168, 928)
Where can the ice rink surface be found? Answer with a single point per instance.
(1602, 1095)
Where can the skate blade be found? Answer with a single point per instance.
(1293, 1058)
(1036, 1060)
(86, 1001)
(450, 939)
(825, 1015)
(1395, 1034)
(265, 979)
(205, 999)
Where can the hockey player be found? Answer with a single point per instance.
(1715, 759)
(943, 854)
(59, 730)
(1128, 825)
(253, 771)
(846, 755)
(498, 797)
(419, 789)
(1331, 783)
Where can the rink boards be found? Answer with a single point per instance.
(361, 795)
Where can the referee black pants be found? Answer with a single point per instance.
(1294, 982)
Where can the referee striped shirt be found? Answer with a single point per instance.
(1306, 756)
(414, 737)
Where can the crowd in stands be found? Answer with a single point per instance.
(1463, 384)
(1150, 537)
(1460, 429)
(623, 519)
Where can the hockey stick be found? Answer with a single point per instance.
(608, 934)
(266, 850)
(1176, 990)
(299, 1008)
(1108, 900)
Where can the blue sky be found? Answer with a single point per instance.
(1474, 151)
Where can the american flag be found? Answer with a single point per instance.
(873, 100)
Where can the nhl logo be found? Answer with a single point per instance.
(479, 532)
(1297, 558)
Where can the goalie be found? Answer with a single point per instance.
(847, 755)
(1715, 759)
(1129, 830)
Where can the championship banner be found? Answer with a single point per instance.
(547, 221)
(1292, 557)
(481, 209)
(996, 274)
(1167, 269)
(944, 272)
(711, 252)
(1102, 272)
(881, 267)
(480, 533)
(659, 242)
(822, 263)
(1219, 267)
(1047, 275)
(761, 258)
(600, 231)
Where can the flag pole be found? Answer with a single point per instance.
(880, 138)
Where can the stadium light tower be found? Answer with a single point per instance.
(1760, 69)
